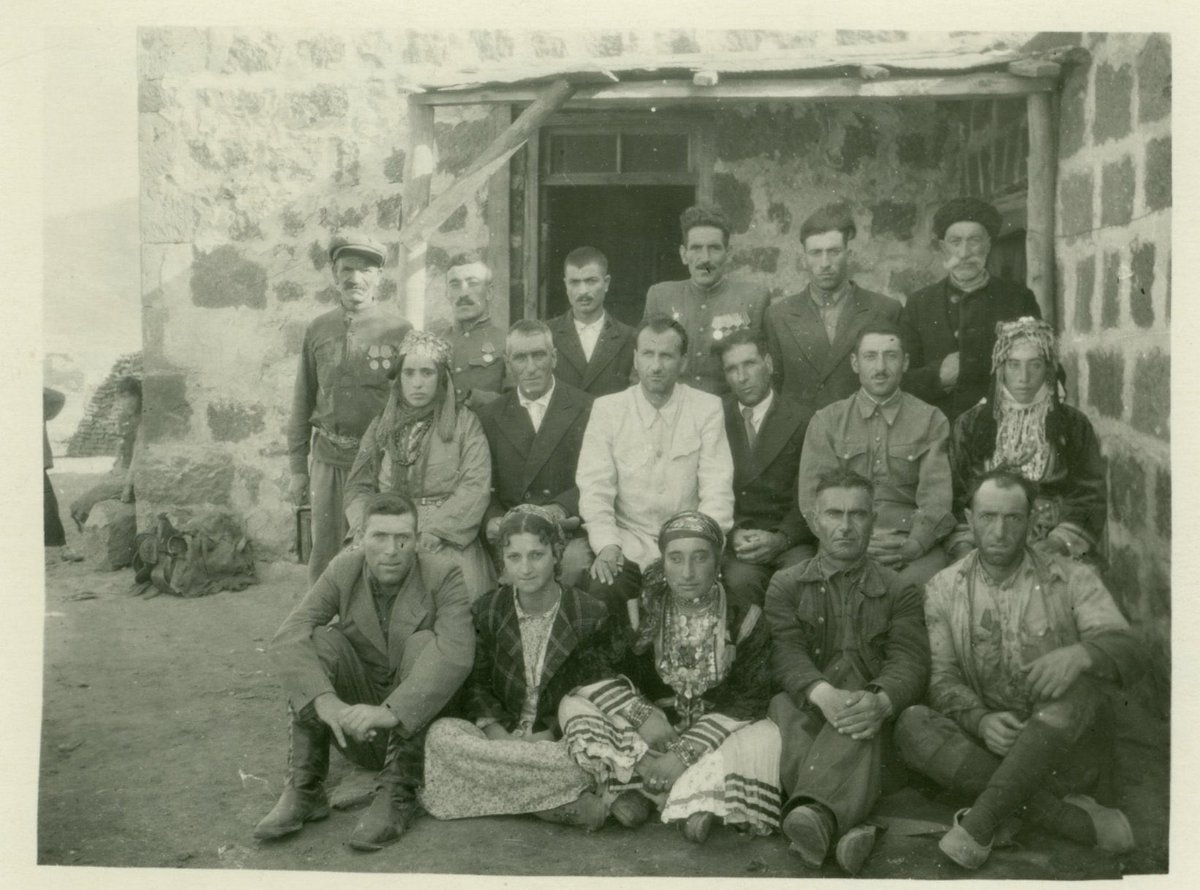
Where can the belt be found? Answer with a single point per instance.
(435, 501)
(344, 442)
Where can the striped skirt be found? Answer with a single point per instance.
(738, 782)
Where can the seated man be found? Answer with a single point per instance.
(765, 434)
(372, 682)
(900, 444)
(849, 651)
(534, 433)
(656, 449)
(1024, 644)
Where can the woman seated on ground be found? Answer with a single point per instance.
(535, 641)
(433, 450)
(1027, 428)
(681, 725)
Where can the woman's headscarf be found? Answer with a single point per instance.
(536, 521)
(1021, 441)
(398, 415)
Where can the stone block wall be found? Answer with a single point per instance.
(1114, 305)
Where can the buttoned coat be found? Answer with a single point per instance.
(431, 605)
(611, 364)
(809, 370)
(576, 653)
(764, 477)
(535, 468)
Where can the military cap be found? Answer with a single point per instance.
(357, 243)
(967, 210)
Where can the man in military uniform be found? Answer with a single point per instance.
(709, 304)
(345, 361)
(477, 343)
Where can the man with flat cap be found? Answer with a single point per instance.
(950, 327)
(478, 345)
(345, 363)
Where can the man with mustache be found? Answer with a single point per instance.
(343, 381)
(898, 442)
(709, 304)
(812, 333)
(478, 344)
(950, 326)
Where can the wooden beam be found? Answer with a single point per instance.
(531, 230)
(489, 161)
(873, 72)
(977, 84)
(419, 164)
(1034, 68)
(496, 215)
(1039, 226)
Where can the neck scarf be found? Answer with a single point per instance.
(1021, 442)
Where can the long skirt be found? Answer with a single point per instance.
(467, 774)
(738, 782)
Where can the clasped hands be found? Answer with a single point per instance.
(893, 549)
(857, 713)
(658, 767)
(757, 546)
(360, 722)
(1047, 677)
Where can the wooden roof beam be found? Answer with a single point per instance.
(640, 93)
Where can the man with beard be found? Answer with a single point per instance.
(950, 326)
(900, 444)
(811, 334)
(345, 363)
(478, 345)
(709, 304)
(1026, 645)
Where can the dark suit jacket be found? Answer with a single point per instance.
(809, 370)
(576, 654)
(612, 359)
(432, 607)
(535, 469)
(934, 327)
(765, 480)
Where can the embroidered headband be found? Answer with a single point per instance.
(691, 524)
(426, 345)
(1034, 330)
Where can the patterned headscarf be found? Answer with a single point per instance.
(399, 418)
(691, 524)
(1021, 440)
(427, 345)
(1035, 330)
(537, 521)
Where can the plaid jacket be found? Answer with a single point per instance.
(576, 653)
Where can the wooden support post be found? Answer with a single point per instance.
(489, 161)
(1039, 228)
(496, 214)
(418, 172)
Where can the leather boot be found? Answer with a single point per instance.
(588, 811)
(395, 804)
(303, 799)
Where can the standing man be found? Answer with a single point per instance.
(477, 344)
(595, 349)
(535, 432)
(709, 304)
(371, 683)
(345, 362)
(649, 452)
(811, 334)
(850, 652)
(950, 326)
(765, 437)
(900, 444)
(1026, 646)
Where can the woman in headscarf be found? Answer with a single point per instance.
(681, 725)
(535, 641)
(433, 450)
(1026, 427)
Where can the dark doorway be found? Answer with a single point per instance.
(635, 226)
(1007, 259)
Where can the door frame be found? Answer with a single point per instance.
(698, 125)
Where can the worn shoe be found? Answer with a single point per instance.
(810, 834)
(587, 811)
(854, 847)
(631, 809)
(698, 827)
(303, 799)
(1114, 834)
(388, 817)
(963, 849)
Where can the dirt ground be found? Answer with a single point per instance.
(164, 741)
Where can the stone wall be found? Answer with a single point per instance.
(101, 431)
(1114, 306)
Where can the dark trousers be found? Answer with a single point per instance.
(55, 534)
(746, 583)
(820, 765)
(625, 587)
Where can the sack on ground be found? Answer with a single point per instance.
(205, 556)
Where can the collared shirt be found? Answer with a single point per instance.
(536, 407)
(535, 636)
(478, 354)
(830, 308)
(589, 333)
(639, 465)
(901, 446)
(982, 634)
(383, 598)
(759, 411)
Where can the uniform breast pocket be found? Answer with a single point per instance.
(853, 456)
(904, 462)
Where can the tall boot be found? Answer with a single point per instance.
(303, 799)
(395, 805)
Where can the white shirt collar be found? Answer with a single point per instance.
(759, 411)
(544, 400)
(589, 326)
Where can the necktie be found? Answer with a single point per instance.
(535, 414)
(748, 416)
